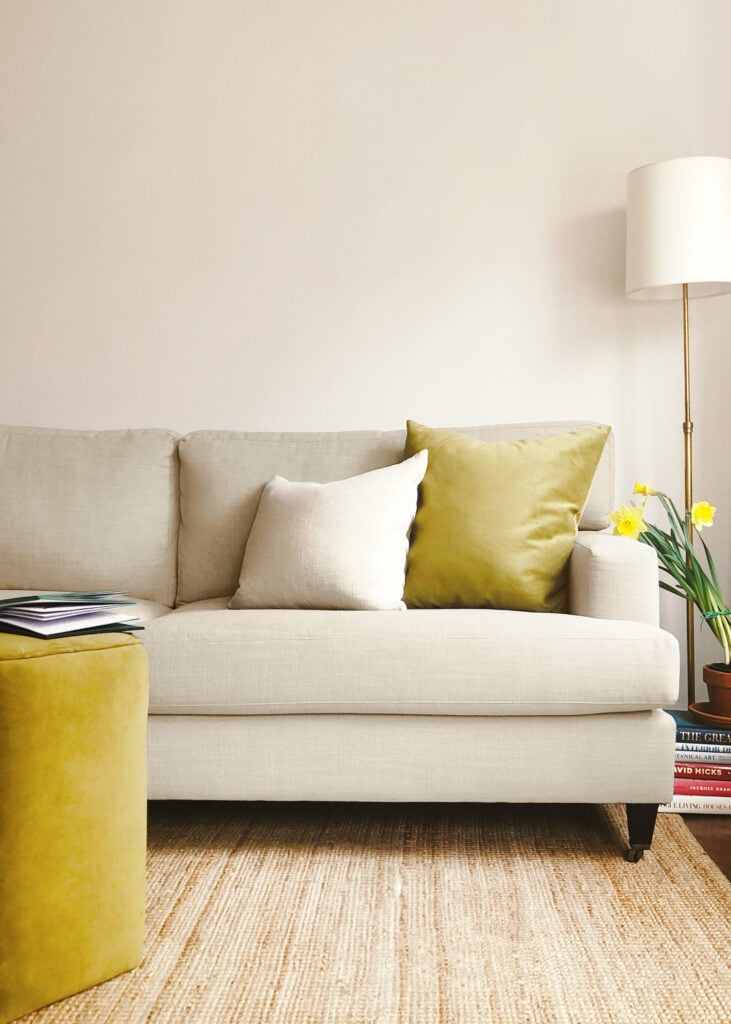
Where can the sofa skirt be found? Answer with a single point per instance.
(600, 758)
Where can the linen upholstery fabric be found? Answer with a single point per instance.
(207, 659)
(223, 474)
(336, 545)
(616, 758)
(73, 715)
(89, 510)
(496, 522)
(614, 578)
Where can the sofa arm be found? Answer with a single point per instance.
(614, 578)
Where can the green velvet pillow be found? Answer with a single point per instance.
(496, 522)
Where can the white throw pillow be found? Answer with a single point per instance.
(337, 545)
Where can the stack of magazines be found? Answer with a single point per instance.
(74, 614)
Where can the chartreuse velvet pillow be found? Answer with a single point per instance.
(496, 521)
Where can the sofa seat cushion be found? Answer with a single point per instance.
(206, 659)
(148, 610)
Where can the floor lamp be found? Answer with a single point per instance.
(679, 246)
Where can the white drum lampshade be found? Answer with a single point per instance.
(679, 228)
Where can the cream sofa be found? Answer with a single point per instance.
(438, 705)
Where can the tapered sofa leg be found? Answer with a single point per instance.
(640, 825)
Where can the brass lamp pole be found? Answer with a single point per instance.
(679, 243)
(688, 461)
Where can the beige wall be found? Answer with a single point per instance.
(304, 215)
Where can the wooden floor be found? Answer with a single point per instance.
(713, 832)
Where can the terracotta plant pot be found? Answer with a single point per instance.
(717, 678)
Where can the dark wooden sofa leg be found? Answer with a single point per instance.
(640, 825)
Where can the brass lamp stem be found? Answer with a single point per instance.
(688, 434)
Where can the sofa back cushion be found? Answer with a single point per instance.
(89, 510)
(223, 474)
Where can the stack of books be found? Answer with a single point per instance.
(702, 767)
(48, 616)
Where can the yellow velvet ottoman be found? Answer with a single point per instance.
(73, 716)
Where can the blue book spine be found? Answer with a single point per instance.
(687, 730)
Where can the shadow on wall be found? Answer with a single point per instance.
(592, 261)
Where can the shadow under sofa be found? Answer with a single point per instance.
(436, 705)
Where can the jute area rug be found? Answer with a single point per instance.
(464, 914)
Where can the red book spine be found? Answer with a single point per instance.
(701, 787)
(708, 772)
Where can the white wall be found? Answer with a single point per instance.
(305, 215)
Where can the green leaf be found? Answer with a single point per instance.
(672, 590)
(711, 563)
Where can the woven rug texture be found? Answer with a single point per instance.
(419, 914)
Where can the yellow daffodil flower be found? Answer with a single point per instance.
(702, 514)
(628, 522)
(679, 559)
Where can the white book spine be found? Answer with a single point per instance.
(708, 748)
(697, 805)
(702, 757)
